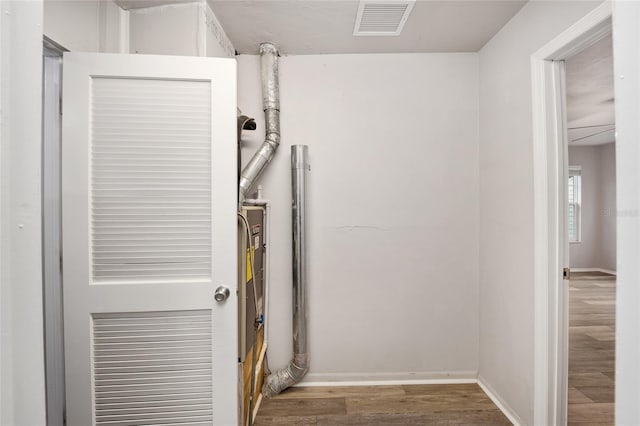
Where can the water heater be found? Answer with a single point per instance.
(251, 273)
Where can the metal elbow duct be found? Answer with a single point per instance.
(286, 377)
(271, 106)
(299, 365)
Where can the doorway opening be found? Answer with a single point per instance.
(591, 232)
(551, 242)
(551, 224)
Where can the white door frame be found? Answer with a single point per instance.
(549, 163)
(51, 230)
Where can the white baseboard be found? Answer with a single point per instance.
(377, 379)
(502, 405)
(606, 271)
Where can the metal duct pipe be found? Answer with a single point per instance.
(271, 106)
(299, 365)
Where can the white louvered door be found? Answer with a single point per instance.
(149, 222)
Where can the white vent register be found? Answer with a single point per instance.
(149, 232)
(382, 18)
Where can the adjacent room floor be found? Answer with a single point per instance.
(591, 348)
(381, 405)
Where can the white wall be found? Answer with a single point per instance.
(626, 48)
(189, 29)
(166, 30)
(597, 246)
(506, 199)
(86, 26)
(393, 194)
(22, 399)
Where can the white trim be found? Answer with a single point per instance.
(500, 403)
(606, 271)
(546, 254)
(320, 384)
(592, 28)
(257, 407)
(51, 208)
(124, 28)
(549, 349)
(258, 372)
(376, 379)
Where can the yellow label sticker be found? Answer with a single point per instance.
(249, 253)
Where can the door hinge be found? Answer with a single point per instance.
(566, 273)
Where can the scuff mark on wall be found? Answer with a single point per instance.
(351, 228)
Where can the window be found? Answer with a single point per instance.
(574, 196)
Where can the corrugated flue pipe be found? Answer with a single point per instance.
(271, 106)
(299, 364)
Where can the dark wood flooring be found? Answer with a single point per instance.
(591, 348)
(381, 405)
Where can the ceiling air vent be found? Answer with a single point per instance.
(382, 18)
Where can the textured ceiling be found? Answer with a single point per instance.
(326, 26)
(590, 95)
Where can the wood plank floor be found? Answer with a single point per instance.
(591, 348)
(381, 405)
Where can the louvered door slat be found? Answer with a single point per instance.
(156, 159)
(152, 385)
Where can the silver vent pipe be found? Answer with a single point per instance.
(271, 106)
(299, 364)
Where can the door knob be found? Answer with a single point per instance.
(221, 294)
